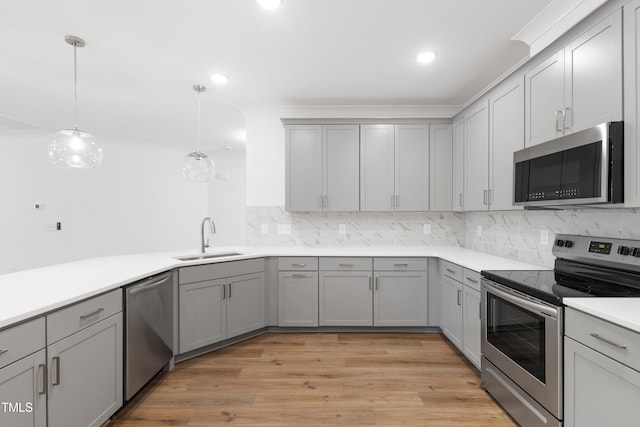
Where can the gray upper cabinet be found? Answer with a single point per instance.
(377, 167)
(411, 167)
(303, 176)
(394, 167)
(322, 167)
(506, 125)
(441, 162)
(341, 177)
(457, 184)
(476, 156)
(631, 98)
(578, 87)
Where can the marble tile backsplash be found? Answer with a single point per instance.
(273, 226)
(522, 235)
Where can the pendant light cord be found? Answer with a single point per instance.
(198, 127)
(75, 82)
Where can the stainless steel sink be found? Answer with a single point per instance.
(207, 256)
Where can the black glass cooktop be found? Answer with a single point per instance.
(569, 279)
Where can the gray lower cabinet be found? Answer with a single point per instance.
(601, 377)
(451, 315)
(214, 310)
(23, 394)
(298, 299)
(220, 301)
(471, 324)
(85, 375)
(345, 298)
(400, 298)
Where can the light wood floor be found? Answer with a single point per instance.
(320, 379)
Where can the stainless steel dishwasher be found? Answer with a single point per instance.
(148, 330)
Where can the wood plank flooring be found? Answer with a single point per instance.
(320, 379)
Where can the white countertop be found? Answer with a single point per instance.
(621, 311)
(30, 293)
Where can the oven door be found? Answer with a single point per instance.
(522, 337)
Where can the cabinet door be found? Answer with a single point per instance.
(23, 392)
(593, 85)
(631, 103)
(377, 167)
(451, 314)
(245, 304)
(346, 298)
(507, 135)
(341, 151)
(441, 167)
(544, 100)
(411, 168)
(598, 390)
(458, 166)
(298, 299)
(303, 168)
(476, 152)
(203, 314)
(400, 299)
(471, 325)
(85, 371)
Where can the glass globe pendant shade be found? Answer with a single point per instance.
(198, 167)
(75, 149)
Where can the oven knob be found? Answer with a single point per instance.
(623, 250)
(568, 243)
(635, 252)
(559, 242)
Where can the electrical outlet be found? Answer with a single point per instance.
(479, 231)
(265, 229)
(284, 228)
(342, 228)
(426, 228)
(544, 237)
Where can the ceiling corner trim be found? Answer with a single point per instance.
(553, 21)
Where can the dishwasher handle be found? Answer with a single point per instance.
(149, 284)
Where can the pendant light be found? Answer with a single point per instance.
(75, 148)
(197, 166)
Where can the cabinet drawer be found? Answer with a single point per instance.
(72, 319)
(346, 264)
(19, 341)
(471, 278)
(400, 264)
(297, 263)
(604, 337)
(452, 270)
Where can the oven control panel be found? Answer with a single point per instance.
(591, 249)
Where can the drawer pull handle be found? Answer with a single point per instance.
(620, 346)
(44, 379)
(401, 265)
(93, 313)
(297, 265)
(472, 280)
(345, 265)
(298, 276)
(451, 271)
(3, 351)
(57, 365)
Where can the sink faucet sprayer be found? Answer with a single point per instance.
(212, 225)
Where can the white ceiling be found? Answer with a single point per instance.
(142, 57)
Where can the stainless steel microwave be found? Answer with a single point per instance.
(585, 167)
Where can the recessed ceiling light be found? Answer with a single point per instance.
(219, 79)
(270, 4)
(426, 57)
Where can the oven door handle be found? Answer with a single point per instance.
(521, 302)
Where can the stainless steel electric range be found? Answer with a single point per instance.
(523, 322)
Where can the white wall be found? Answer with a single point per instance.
(136, 201)
(227, 197)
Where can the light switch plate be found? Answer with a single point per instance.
(544, 237)
(264, 229)
(426, 228)
(342, 228)
(479, 231)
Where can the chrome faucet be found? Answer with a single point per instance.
(212, 225)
